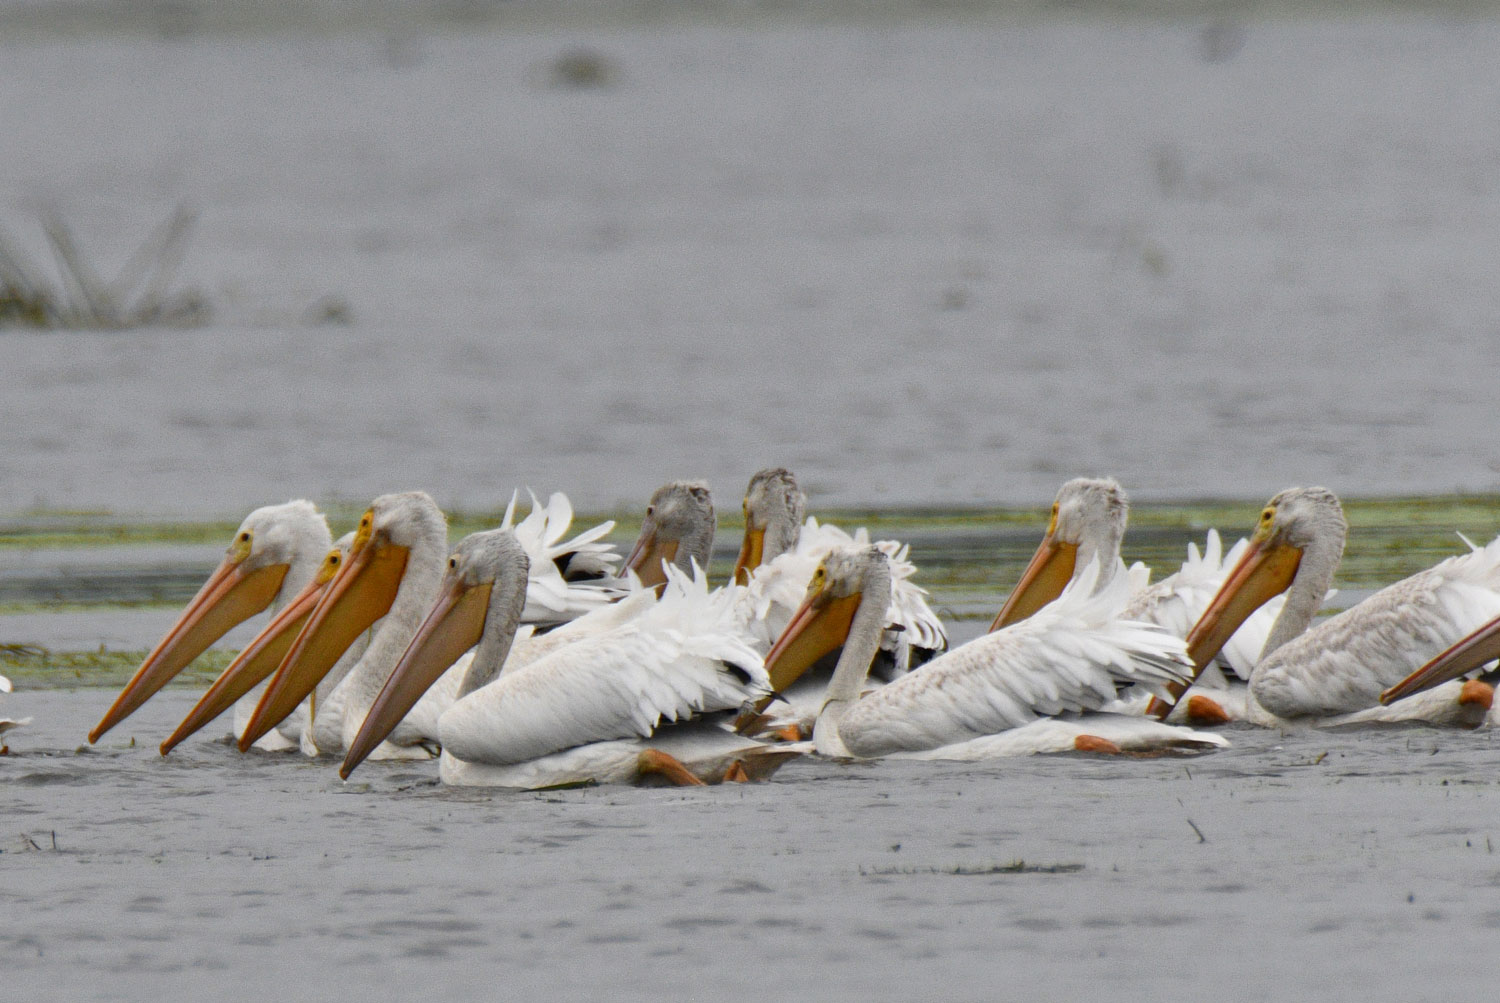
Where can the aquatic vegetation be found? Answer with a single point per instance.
(141, 293)
(35, 667)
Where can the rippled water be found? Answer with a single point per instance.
(940, 264)
(1352, 865)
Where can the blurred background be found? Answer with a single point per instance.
(921, 253)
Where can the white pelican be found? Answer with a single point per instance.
(778, 557)
(1333, 673)
(678, 529)
(274, 554)
(1087, 523)
(391, 575)
(1068, 657)
(7, 723)
(599, 709)
(774, 507)
(780, 552)
(566, 580)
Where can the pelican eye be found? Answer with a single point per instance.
(245, 537)
(650, 509)
(452, 564)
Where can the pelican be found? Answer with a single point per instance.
(395, 563)
(779, 553)
(7, 723)
(566, 580)
(774, 507)
(678, 530)
(1333, 673)
(274, 554)
(1087, 523)
(1068, 657)
(612, 706)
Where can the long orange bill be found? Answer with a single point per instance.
(452, 627)
(1470, 653)
(1044, 579)
(255, 663)
(361, 593)
(752, 552)
(820, 625)
(647, 555)
(230, 596)
(1264, 571)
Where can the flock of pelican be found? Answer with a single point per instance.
(523, 659)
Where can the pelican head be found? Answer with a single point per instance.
(1298, 540)
(365, 587)
(678, 528)
(270, 543)
(825, 619)
(773, 519)
(479, 603)
(1088, 520)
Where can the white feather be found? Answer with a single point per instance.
(1069, 656)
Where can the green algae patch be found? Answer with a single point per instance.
(33, 667)
(967, 558)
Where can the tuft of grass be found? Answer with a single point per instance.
(140, 294)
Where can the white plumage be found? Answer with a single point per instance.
(1342, 664)
(1068, 657)
(1178, 600)
(1325, 673)
(777, 587)
(664, 664)
(550, 599)
(7, 723)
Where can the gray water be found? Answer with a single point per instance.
(945, 263)
(1334, 866)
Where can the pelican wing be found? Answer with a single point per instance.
(549, 597)
(1070, 656)
(1343, 663)
(685, 655)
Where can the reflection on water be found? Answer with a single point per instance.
(918, 264)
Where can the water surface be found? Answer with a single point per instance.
(949, 263)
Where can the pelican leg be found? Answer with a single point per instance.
(656, 761)
(1093, 743)
(1205, 712)
(736, 773)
